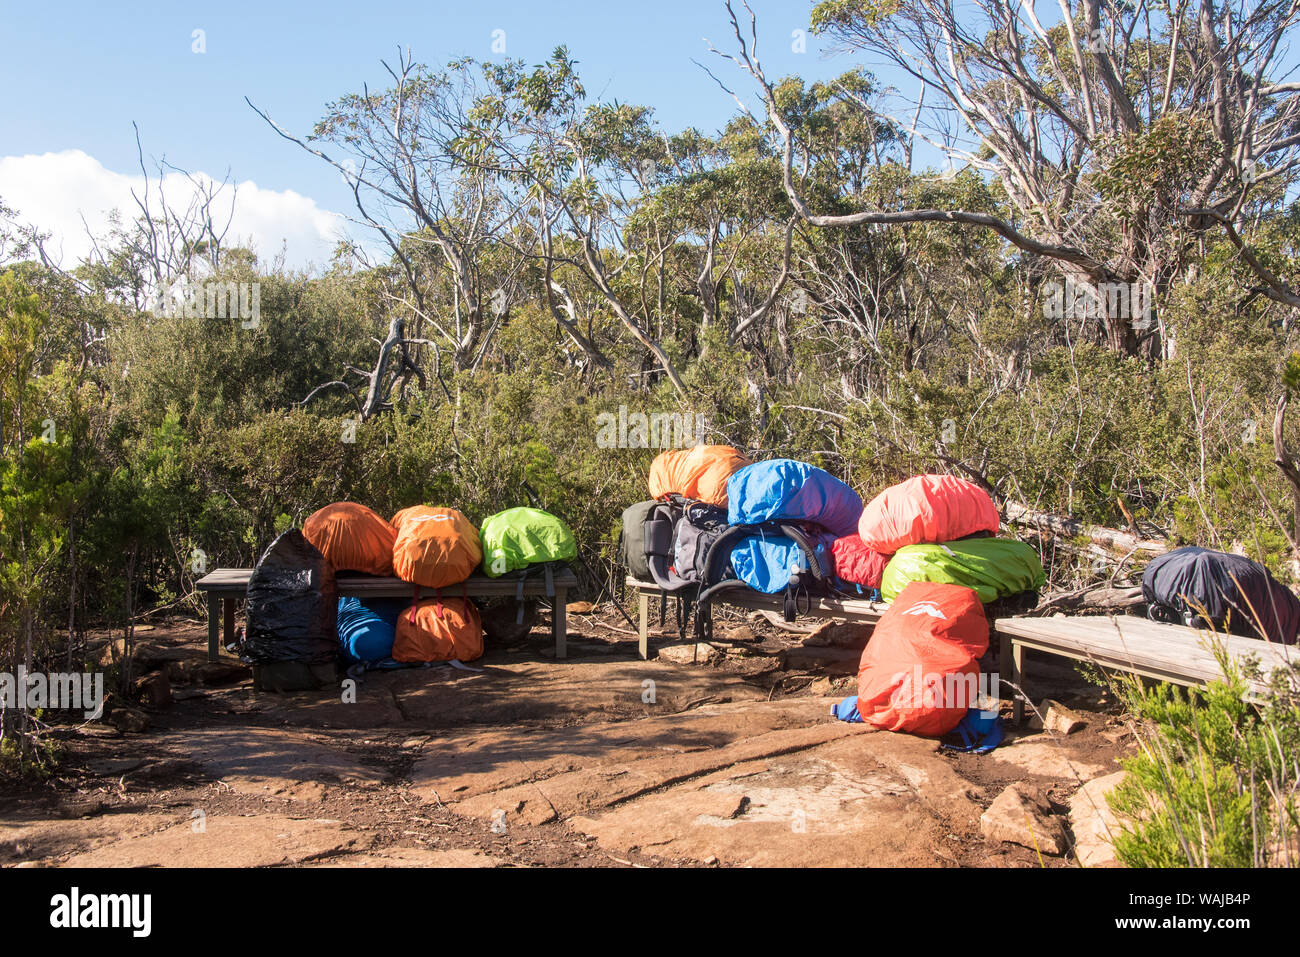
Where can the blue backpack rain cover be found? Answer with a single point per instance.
(792, 491)
(766, 563)
(367, 629)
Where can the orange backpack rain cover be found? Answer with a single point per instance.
(700, 472)
(435, 547)
(437, 629)
(926, 510)
(920, 671)
(352, 538)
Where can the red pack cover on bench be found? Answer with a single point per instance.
(926, 510)
(858, 562)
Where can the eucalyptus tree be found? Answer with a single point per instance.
(441, 216)
(1118, 133)
(723, 199)
(585, 166)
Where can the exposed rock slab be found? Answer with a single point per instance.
(263, 841)
(1022, 815)
(1094, 823)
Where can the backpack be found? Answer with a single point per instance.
(368, 628)
(926, 509)
(767, 557)
(698, 473)
(783, 490)
(920, 671)
(774, 560)
(994, 567)
(352, 538)
(649, 533)
(1187, 585)
(292, 605)
(700, 525)
(435, 629)
(857, 562)
(518, 537)
(525, 540)
(435, 547)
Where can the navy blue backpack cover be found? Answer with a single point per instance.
(1189, 584)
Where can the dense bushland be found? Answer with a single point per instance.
(548, 258)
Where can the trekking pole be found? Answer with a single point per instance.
(537, 501)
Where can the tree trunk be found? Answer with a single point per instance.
(1110, 538)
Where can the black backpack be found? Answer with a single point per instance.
(1190, 584)
(668, 541)
(292, 610)
(818, 577)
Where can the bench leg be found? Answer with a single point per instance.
(560, 621)
(643, 624)
(214, 625)
(228, 622)
(1011, 658)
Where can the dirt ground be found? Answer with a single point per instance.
(726, 757)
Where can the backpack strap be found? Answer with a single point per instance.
(661, 533)
(717, 564)
(796, 535)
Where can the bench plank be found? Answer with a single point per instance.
(235, 581)
(850, 609)
(227, 585)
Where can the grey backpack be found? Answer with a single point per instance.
(648, 533)
(700, 526)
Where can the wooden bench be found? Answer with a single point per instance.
(850, 609)
(1172, 653)
(225, 586)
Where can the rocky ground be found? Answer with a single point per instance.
(713, 756)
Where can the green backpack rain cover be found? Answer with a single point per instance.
(519, 537)
(994, 567)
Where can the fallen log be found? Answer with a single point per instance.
(1110, 538)
(1098, 599)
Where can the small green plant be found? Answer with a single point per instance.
(35, 762)
(1217, 780)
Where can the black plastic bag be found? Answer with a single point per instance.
(292, 604)
(1190, 584)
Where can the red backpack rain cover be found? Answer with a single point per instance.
(858, 562)
(920, 671)
(926, 510)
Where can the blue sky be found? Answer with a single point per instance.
(77, 74)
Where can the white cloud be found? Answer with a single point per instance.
(56, 191)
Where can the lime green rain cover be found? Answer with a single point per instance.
(994, 567)
(519, 537)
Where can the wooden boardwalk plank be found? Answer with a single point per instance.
(1167, 652)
